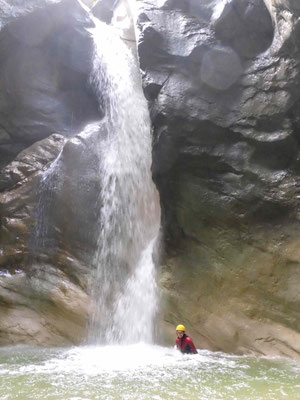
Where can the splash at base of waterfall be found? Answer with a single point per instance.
(140, 298)
(142, 372)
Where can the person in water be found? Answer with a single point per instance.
(183, 342)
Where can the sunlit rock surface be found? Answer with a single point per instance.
(222, 80)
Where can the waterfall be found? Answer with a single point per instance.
(43, 235)
(124, 292)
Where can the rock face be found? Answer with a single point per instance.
(103, 10)
(223, 87)
(222, 80)
(46, 58)
(49, 173)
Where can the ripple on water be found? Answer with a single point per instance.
(142, 372)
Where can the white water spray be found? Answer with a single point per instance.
(124, 289)
(43, 235)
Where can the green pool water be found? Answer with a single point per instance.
(141, 372)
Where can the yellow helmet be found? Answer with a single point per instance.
(180, 328)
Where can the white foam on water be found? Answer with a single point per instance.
(97, 360)
(142, 372)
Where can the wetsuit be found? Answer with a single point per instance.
(186, 345)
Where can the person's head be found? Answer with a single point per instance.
(180, 331)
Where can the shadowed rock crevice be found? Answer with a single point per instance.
(247, 26)
(46, 62)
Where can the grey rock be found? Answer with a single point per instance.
(246, 25)
(46, 60)
(104, 9)
(221, 68)
(45, 98)
(49, 228)
(30, 160)
(12, 10)
(223, 92)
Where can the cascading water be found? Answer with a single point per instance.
(43, 236)
(124, 289)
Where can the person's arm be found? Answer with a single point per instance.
(192, 346)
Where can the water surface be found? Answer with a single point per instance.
(142, 372)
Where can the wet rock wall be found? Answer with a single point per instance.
(223, 91)
(49, 172)
(222, 80)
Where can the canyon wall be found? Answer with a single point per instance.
(222, 80)
(48, 208)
